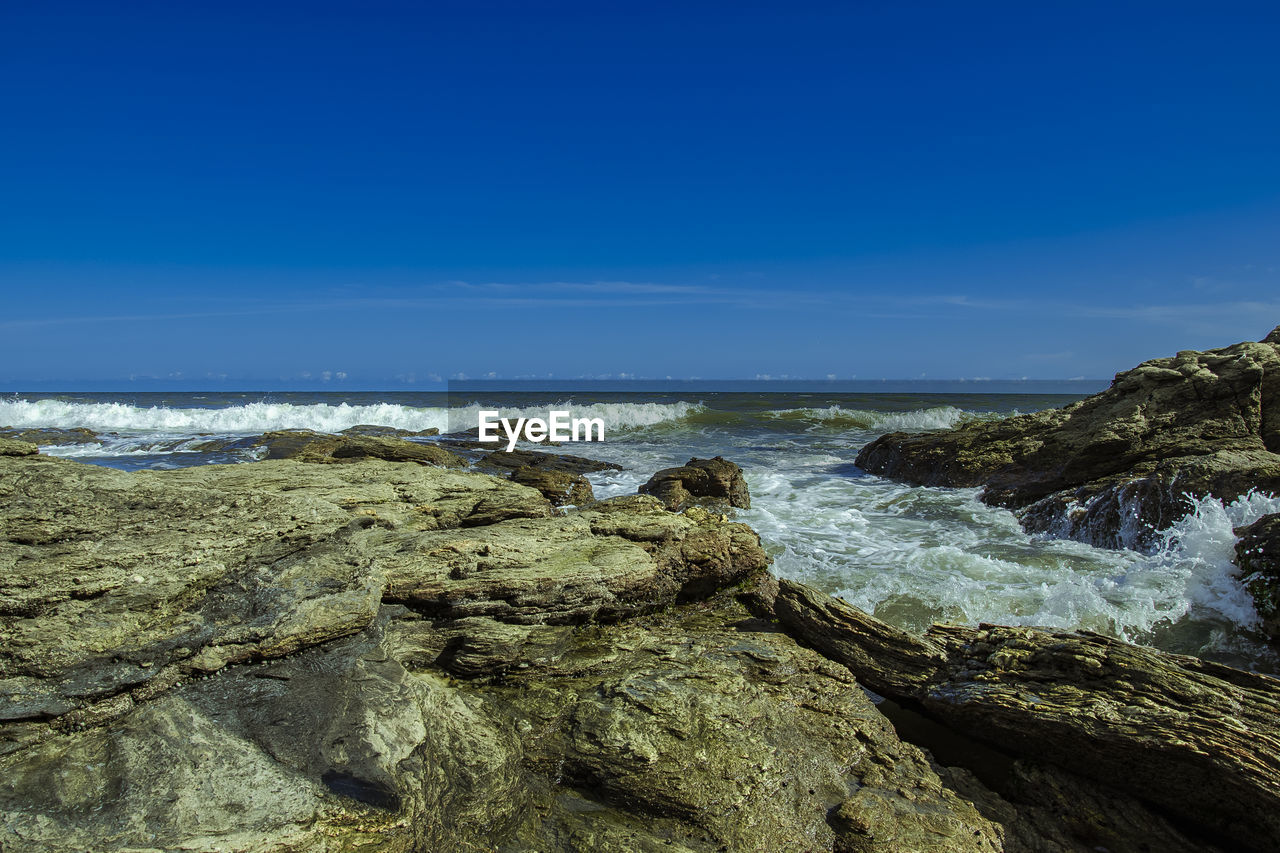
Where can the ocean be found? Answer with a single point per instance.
(909, 555)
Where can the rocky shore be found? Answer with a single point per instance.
(364, 647)
(1114, 469)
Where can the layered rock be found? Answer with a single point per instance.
(708, 482)
(1199, 739)
(1116, 467)
(307, 446)
(389, 656)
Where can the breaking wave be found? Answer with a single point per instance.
(262, 417)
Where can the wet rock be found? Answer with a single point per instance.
(700, 481)
(500, 461)
(1198, 739)
(377, 656)
(50, 435)
(1258, 555)
(306, 446)
(376, 431)
(1115, 468)
(559, 487)
(13, 447)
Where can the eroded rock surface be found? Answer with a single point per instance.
(1199, 739)
(700, 481)
(284, 656)
(1114, 468)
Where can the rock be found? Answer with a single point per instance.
(1114, 468)
(1258, 555)
(375, 431)
(1198, 739)
(50, 435)
(501, 461)
(377, 656)
(306, 446)
(559, 487)
(13, 447)
(711, 481)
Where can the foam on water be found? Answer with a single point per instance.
(914, 555)
(938, 417)
(321, 417)
(910, 555)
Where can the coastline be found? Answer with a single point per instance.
(395, 642)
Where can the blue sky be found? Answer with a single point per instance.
(396, 191)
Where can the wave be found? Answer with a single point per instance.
(937, 417)
(253, 418)
(1200, 550)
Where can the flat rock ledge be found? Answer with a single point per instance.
(374, 656)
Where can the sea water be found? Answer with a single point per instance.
(910, 555)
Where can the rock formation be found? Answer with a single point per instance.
(1199, 423)
(709, 482)
(1258, 555)
(375, 655)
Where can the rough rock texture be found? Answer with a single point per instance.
(306, 446)
(559, 487)
(50, 435)
(382, 656)
(1199, 739)
(700, 481)
(279, 656)
(1114, 468)
(1258, 555)
(13, 447)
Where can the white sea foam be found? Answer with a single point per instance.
(264, 417)
(915, 555)
(937, 417)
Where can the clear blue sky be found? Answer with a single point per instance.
(272, 190)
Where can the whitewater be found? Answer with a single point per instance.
(909, 555)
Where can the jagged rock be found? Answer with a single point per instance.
(306, 446)
(559, 487)
(375, 431)
(1199, 739)
(13, 447)
(266, 657)
(710, 481)
(1114, 468)
(1258, 555)
(50, 435)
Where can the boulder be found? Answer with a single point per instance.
(715, 482)
(375, 431)
(1258, 555)
(559, 487)
(1115, 468)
